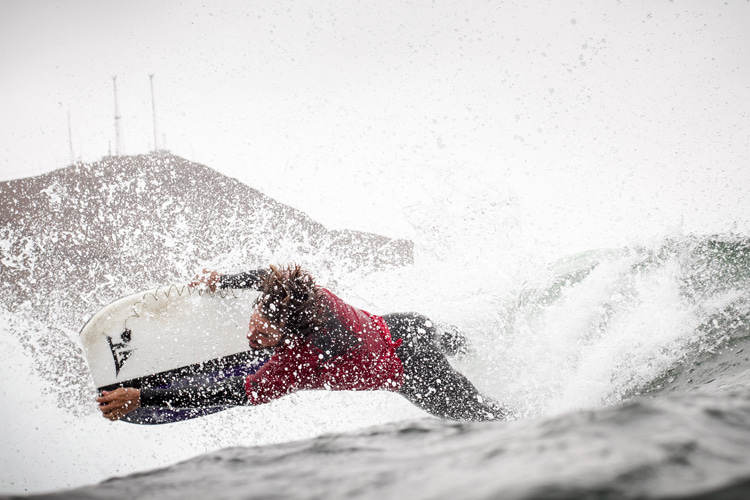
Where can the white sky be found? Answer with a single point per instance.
(592, 114)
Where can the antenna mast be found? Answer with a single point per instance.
(70, 140)
(153, 108)
(118, 144)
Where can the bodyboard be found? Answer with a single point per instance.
(171, 337)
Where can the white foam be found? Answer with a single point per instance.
(48, 448)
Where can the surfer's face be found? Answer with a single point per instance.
(261, 333)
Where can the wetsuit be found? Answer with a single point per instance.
(354, 350)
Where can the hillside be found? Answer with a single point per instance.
(154, 218)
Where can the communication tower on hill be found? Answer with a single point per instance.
(118, 142)
(70, 141)
(153, 108)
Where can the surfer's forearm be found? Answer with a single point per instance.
(116, 404)
(229, 392)
(248, 279)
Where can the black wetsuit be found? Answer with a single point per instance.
(429, 380)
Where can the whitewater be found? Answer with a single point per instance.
(626, 368)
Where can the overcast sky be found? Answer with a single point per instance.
(645, 103)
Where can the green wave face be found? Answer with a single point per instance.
(607, 325)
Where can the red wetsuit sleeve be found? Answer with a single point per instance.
(354, 351)
(288, 371)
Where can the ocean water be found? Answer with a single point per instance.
(573, 177)
(628, 370)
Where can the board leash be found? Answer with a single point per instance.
(180, 290)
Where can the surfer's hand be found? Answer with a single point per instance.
(209, 279)
(118, 403)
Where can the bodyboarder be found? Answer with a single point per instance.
(320, 342)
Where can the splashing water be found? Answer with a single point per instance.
(546, 337)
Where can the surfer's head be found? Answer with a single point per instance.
(289, 303)
(262, 333)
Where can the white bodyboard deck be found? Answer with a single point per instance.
(170, 337)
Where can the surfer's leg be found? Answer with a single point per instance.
(433, 385)
(420, 330)
(449, 340)
(430, 382)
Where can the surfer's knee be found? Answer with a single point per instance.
(449, 340)
(411, 326)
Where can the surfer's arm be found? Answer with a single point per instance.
(248, 279)
(213, 280)
(116, 404)
(228, 392)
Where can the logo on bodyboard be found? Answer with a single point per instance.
(120, 352)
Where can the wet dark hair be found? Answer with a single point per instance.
(289, 298)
